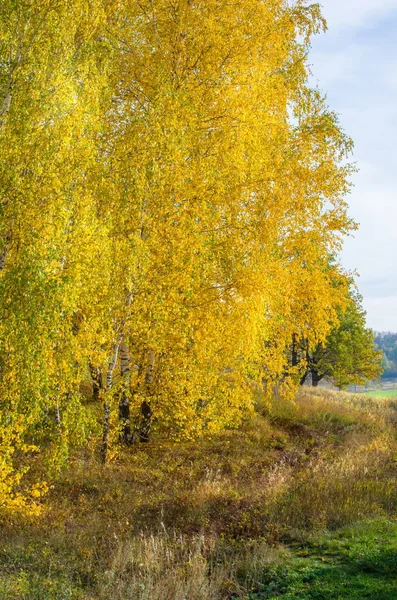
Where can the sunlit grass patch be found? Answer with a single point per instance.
(354, 563)
(382, 394)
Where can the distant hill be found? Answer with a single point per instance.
(387, 342)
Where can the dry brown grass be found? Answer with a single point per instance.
(177, 567)
(201, 520)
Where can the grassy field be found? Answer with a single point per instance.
(299, 503)
(383, 394)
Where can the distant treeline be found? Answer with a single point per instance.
(387, 342)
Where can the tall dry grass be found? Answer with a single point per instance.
(177, 567)
(209, 519)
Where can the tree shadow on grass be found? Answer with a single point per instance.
(370, 576)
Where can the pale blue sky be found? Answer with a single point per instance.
(355, 64)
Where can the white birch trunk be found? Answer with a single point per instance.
(124, 404)
(106, 403)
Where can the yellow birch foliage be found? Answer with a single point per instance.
(226, 179)
(169, 181)
(51, 92)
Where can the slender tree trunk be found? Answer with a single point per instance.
(147, 413)
(4, 253)
(307, 362)
(58, 413)
(294, 359)
(58, 420)
(9, 87)
(303, 378)
(97, 384)
(3, 257)
(7, 97)
(111, 367)
(105, 434)
(106, 404)
(124, 404)
(146, 422)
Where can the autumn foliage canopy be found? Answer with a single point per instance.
(172, 192)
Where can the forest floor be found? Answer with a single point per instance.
(299, 503)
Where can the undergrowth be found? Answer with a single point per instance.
(298, 503)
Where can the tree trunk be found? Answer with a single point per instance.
(6, 248)
(124, 404)
(294, 359)
(97, 384)
(105, 433)
(11, 80)
(303, 378)
(316, 378)
(106, 404)
(147, 413)
(58, 420)
(146, 423)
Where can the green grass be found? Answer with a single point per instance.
(383, 394)
(354, 563)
